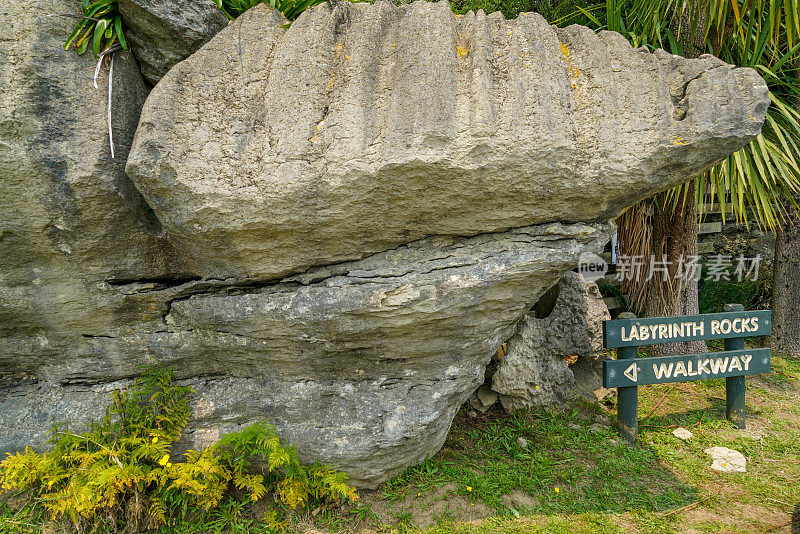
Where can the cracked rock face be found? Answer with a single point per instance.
(567, 321)
(365, 126)
(362, 364)
(348, 218)
(71, 221)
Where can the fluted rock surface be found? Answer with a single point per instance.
(365, 126)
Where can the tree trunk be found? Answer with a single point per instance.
(786, 278)
(672, 290)
(786, 288)
(674, 232)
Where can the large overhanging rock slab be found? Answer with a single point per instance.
(361, 364)
(362, 127)
(365, 364)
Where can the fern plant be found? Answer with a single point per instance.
(119, 470)
(100, 25)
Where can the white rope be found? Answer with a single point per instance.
(110, 50)
(110, 84)
(97, 70)
(107, 52)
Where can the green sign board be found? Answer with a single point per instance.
(658, 370)
(654, 330)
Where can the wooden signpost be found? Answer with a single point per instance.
(628, 372)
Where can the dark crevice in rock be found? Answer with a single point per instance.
(189, 286)
(85, 381)
(139, 206)
(143, 285)
(227, 287)
(546, 303)
(325, 271)
(316, 275)
(356, 276)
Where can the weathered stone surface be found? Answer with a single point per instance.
(362, 364)
(71, 222)
(365, 126)
(567, 321)
(483, 399)
(162, 33)
(727, 460)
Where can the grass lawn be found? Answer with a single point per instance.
(576, 475)
(570, 473)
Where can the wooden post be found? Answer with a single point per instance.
(734, 385)
(628, 397)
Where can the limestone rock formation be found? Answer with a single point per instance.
(566, 322)
(162, 33)
(365, 126)
(362, 364)
(73, 224)
(348, 216)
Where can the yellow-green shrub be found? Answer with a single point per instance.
(119, 470)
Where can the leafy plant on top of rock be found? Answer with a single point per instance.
(101, 25)
(552, 10)
(119, 471)
(291, 9)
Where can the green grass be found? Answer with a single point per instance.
(664, 485)
(565, 469)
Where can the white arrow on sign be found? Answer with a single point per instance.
(632, 372)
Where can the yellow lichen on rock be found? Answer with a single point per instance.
(574, 74)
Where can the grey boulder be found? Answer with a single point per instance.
(361, 364)
(348, 217)
(163, 32)
(365, 126)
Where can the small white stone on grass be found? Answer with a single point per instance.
(727, 460)
(682, 433)
(522, 442)
(486, 396)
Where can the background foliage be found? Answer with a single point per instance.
(291, 9)
(552, 10)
